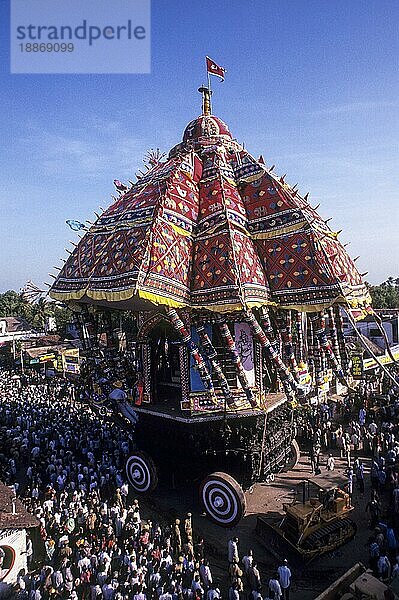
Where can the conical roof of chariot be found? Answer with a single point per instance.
(210, 228)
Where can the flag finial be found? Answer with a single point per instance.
(206, 100)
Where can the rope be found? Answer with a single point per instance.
(378, 322)
(363, 343)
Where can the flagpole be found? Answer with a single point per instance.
(209, 86)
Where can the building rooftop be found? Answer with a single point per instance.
(19, 518)
(15, 325)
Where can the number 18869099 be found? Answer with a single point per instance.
(47, 47)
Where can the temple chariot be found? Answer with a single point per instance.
(235, 285)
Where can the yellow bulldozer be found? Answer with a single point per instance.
(315, 522)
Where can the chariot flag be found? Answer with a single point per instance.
(75, 225)
(214, 69)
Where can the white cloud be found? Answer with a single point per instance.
(101, 148)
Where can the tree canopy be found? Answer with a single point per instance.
(386, 295)
(13, 304)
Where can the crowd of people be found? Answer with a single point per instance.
(245, 574)
(368, 432)
(66, 463)
(380, 439)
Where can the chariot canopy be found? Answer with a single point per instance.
(210, 228)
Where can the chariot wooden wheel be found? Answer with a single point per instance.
(294, 456)
(223, 499)
(141, 472)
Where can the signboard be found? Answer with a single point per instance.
(59, 364)
(47, 357)
(70, 360)
(370, 363)
(357, 366)
(72, 368)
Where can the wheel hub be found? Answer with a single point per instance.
(136, 474)
(218, 502)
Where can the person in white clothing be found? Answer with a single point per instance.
(373, 428)
(213, 593)
(330, 463)
(275, 592)
(247, 561)
(284, 577)
(232, 550)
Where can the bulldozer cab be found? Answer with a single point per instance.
(320, 498)
(313, 506)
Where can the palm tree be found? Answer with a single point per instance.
(41, 311)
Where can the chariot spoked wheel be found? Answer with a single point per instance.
(141, 472)
(223, 499)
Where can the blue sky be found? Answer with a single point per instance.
(312, 85)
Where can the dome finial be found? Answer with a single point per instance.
(206, 100)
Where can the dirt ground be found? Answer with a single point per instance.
(307, 581)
